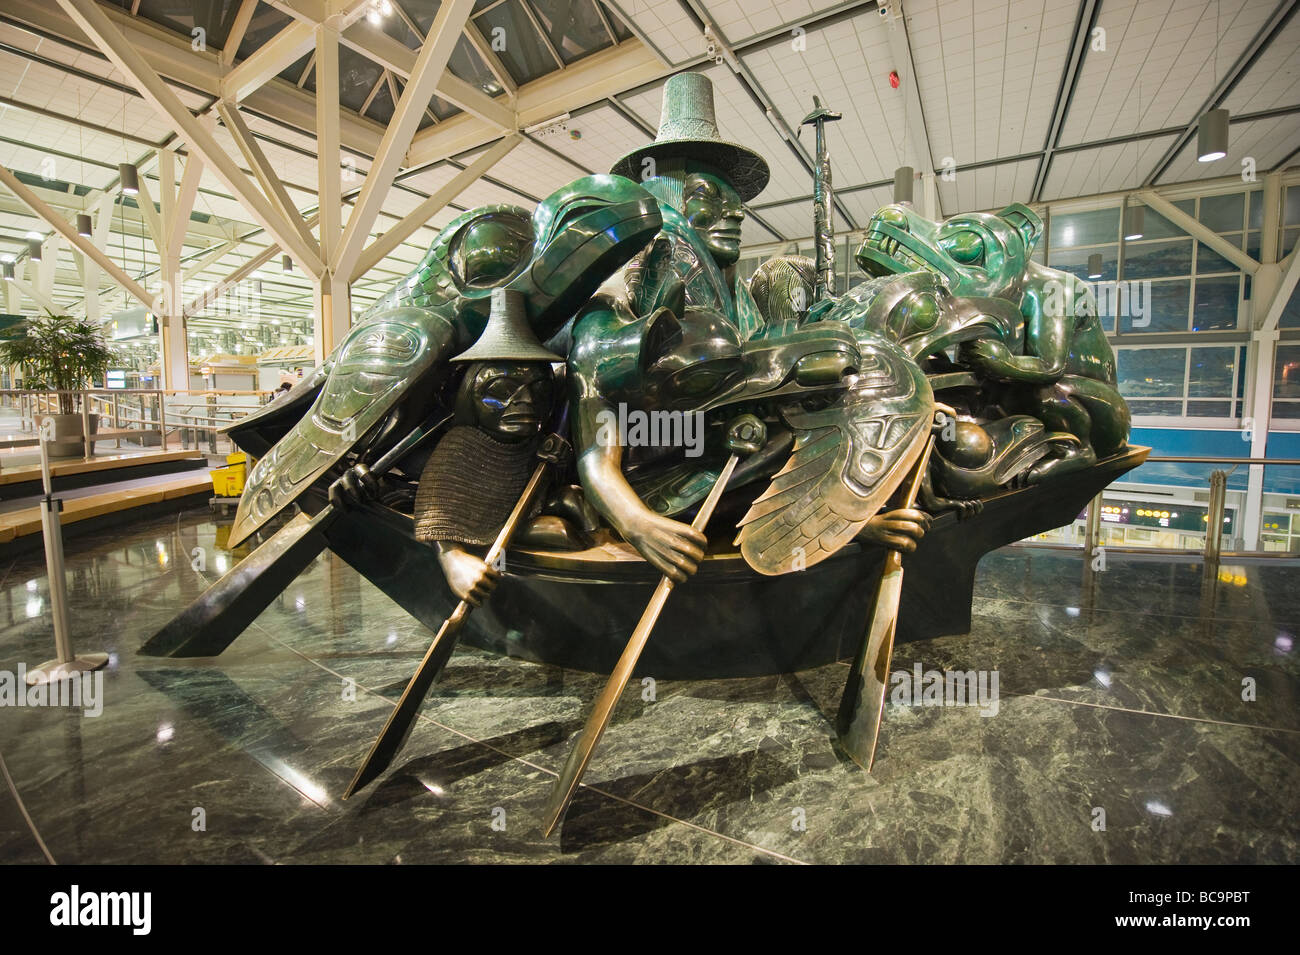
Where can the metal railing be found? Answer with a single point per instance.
(1142, 514)
(146, 417)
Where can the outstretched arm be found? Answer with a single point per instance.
(672, 547)
(1049, 324)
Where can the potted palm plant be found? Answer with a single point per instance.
(63, 354)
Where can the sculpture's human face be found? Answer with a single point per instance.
(510, 398)
(714, 210)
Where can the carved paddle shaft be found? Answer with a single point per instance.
(222, 612)
(398, 727)
(863, 702)
(746, 435)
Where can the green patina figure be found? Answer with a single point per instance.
(958, 371)
(675, 332)
(1053, 362)
(391, 371)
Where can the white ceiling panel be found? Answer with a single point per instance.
(1273, 80)
(535, 170)
(1267, 141)
(751, 233)
(847, 65)
(793, 220)
(987, 188)
(863, 203)
(988, 73)
(1104, 169)
(604, 137)
(742, 20)
(1162, 61)
(665, 26)
(674, 35)
(39, 162)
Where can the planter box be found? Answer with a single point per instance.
(67, 434)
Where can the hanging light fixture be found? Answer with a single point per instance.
(129, 177)
(1134, 219)
(1212, 136)
(84, 226)
(904, 177)
(257, 286)
(33, 248)
(286, 264)
(1212, 127)
(1094, 265)
(9, 271)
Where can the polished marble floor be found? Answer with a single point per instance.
(1121, 701)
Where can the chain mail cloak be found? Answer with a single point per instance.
(469, 486)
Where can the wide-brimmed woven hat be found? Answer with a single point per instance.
(688, 129)
(507, 335)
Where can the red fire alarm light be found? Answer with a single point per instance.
(893, 78)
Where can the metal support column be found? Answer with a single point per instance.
(1214, 521)
(65, 664)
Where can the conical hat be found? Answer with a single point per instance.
(688, 129)
(507, 335)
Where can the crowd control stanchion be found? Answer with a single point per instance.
(65, 664)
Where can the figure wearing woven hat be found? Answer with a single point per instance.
(479, 468)
(701, 182)
(666, 333)
(501, 406)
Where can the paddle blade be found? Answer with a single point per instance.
(222, 612)
(398, 726)
(863, 702)
(566, 784)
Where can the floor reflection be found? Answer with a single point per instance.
(1149, 689)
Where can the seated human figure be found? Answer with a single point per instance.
(480, 466)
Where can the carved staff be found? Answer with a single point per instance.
(863, 702)
(398, 727)
(823, 225)
(222, 612)
(745, 436)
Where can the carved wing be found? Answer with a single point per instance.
(852, 449)
(378, 363)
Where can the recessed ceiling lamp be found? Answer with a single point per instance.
(1134, 217)
(1212, 136)
(129, 177)
(904, 177)
(84, 226)
(1094, 265)
(286, 264)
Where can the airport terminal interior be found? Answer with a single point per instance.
(649, 431)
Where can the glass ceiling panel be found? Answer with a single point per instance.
(523, 52)
(266, 23)
(421, 12)
(357, 76)
(469, 66)
(381, 107)
(294, 73)
(396, 27)
(573, 26)
(214, 16)
(620, 28)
